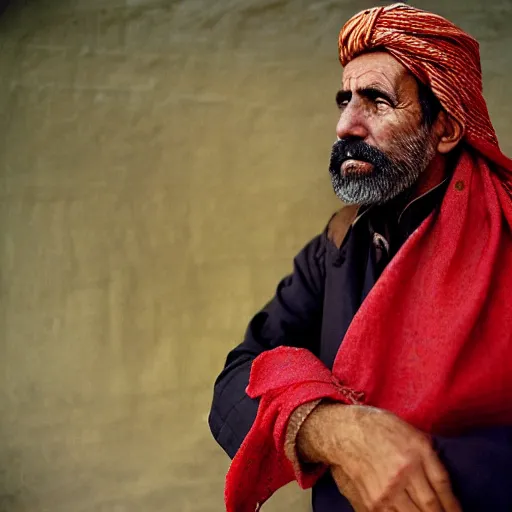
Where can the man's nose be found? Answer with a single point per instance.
(351, 124)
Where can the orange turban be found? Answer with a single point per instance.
(436, 51)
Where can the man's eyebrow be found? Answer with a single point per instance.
(342, 96)
(371, 92)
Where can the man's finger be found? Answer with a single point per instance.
(348, 489)
(402, 502)
(440, 482)
(423, 495)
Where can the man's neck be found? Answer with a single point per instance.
(434, 174)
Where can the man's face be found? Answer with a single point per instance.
(383, 145)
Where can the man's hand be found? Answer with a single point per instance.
(379, 462)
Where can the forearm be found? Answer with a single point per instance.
(291, 318)
(309, 440)
(295, 423)
(479, 464)
(314, 442)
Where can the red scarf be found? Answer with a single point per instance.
(432, 342)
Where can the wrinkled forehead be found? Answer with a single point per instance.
(375, 68)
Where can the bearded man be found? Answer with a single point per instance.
(380, 373)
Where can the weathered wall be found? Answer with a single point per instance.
(160, 164)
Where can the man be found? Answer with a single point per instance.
(380, 373)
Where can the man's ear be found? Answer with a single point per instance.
(449, 132)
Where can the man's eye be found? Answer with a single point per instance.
(382, 102)
(343, 104)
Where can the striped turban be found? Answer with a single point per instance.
(437, 52)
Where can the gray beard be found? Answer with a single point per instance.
(387, 182)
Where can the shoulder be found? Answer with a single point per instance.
(340, 223)
(328, 243)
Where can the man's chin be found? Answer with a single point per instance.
(363, 194)
(352, 198)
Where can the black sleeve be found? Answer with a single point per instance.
(293, 317)
(480, 468)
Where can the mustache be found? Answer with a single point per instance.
(346, 149)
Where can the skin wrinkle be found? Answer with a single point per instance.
(390, 176)
(392, 136)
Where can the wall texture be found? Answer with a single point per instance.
(160, 164)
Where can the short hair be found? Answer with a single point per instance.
(430, 105)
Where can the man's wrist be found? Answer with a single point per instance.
(294, 425)
(315, 438)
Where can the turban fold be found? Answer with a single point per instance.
(432, 341)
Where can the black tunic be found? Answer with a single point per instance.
(312, 308)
